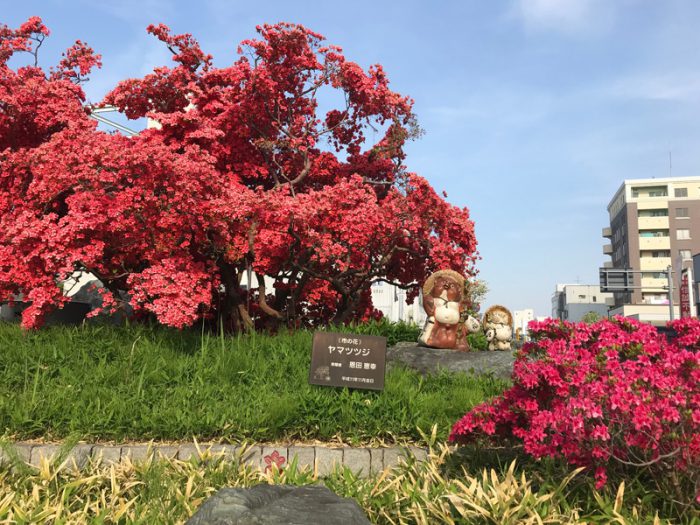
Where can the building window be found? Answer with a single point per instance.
(653, 233)
(682, 235)
(595, 300)
(680, 192)
(650, 191)
(653, 213)
(682, 212)
(685, 255)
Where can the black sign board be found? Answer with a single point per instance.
(355, 361)
(616, 280)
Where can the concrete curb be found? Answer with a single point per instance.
(321, 459)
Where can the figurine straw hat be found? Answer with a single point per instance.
(430, 282)
(498, 308)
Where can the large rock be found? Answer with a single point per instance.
(430, 360)
(278, 505)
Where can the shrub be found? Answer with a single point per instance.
(478, 341)
(609, 394)
(394, 332)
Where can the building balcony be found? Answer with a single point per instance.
(653, 223)
(607, 232)
(652, 203)
(607, 249)
(654, 264)
(653, 284)
(654, 243)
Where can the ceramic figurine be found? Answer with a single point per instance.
(498, 326)
(443, 302)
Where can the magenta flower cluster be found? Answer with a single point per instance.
(613, 392)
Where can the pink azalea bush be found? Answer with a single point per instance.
(612, 393)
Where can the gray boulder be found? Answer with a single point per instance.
(278, 505)
(429, 360)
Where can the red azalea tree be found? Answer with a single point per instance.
(245, 174)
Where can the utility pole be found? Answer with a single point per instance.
(669, 274)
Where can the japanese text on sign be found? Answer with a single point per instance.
(348, 360)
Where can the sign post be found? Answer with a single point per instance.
(686, 292)
(351, 360)
(621, 280)
(616, 279)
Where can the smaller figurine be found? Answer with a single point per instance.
(498, 326)
(472, 324)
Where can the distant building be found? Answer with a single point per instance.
(654, 224)
(391, 301)
(570, 302)
(520, 320)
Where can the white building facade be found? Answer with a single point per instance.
(571, 302)
(391, 301)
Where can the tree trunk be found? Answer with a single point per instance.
(234, 312)
(346, 308)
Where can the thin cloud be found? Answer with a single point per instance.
(683, 86)
(519, 108)
(569, 17)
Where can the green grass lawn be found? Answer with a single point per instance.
(141, 383)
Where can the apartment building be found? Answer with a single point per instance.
(391, 301)
(654, 224)
(571, 302)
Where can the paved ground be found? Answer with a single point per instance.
(321, 458)
(427, 360)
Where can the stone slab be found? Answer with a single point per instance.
(106, 454)
(79, 456)
(376, 461)
(430, 360)
(274, 454)
(165, 452)
(327, 459)
(189, 451)
(420, 453)
(305, 456)
(137, 453)
(47, 452)
(391, 457)
(222, 451)
(24, 452)
(251, 456)
(358, 460)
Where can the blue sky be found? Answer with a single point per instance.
(534, 110)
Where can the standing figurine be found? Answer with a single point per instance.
(443, 303)
(498, 326)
